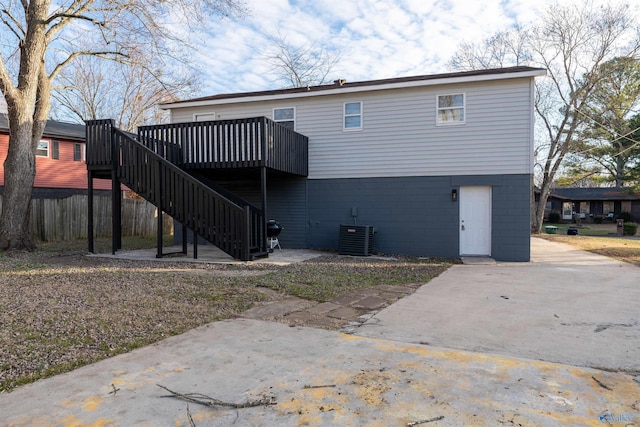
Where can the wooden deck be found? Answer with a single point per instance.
(156, 165)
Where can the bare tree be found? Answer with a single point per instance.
(572, 41)
(92, 88)
(503, 49)
(299, 66)
(40, 38)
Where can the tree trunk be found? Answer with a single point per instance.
(537, 219)
(28, 106)
(19, 174)
(620, 166)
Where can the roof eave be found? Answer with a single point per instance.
(339, 90)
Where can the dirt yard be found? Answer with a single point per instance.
(62, 309)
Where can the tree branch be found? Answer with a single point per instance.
(112, 55)
(15, 22)
(210, 401)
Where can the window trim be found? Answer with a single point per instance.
(82, 152)
(463, 107)
(48, 149)
(55, 149)
(273, 115)
(345, 115)
(210, 113)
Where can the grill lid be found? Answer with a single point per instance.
(273, 228)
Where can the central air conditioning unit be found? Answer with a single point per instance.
(356, 240)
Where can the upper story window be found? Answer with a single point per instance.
(43, 149)
(77, 152)
(451, 109)
(352, 115)
(285, 117)
(204, 117)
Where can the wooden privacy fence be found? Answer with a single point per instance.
(66, 219)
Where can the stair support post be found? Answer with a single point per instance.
(116, 195)
(195, 244)
(262, 233)
(159, 207)
(184, 239)
(246, 235)
(90, 208)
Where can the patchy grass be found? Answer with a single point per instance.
(61, 310)
(327, 277)
(622, 248)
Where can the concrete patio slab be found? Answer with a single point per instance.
(317, 377)
(566, 306)
(212, 255)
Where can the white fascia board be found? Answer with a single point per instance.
(366, 88)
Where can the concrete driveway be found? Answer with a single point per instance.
(565, 306)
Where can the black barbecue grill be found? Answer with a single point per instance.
(273, 231)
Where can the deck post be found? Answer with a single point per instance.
(116, 226)
(184, 239)
(245, 254)
(90, 209)
(159, 208)
(267, 130)
(116, 202)
(262, 233)
(195, 244)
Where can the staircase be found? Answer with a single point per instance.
(154, 168)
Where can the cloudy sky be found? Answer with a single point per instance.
(376, 38)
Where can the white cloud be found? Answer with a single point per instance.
(377, 38)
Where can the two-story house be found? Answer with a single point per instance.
(440, 165)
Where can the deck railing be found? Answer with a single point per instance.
(227, 144)
(99, 150)
(237, 230)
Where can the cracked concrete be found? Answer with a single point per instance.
(416, 370)
(565, 306)
(334, 314)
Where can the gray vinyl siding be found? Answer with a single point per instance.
(286, 203)
(400, 136)
(416, 216)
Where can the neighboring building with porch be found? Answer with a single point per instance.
(589, 203)
(440, 165)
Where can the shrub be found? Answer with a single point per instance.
(629, 229)
(626, 216)
(554, 217)
(597, 219)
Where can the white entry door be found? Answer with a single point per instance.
(475, 221)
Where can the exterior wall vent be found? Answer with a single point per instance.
(356, 240)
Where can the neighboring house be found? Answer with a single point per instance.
(593, 202)
(440, 165)
(60, 160)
